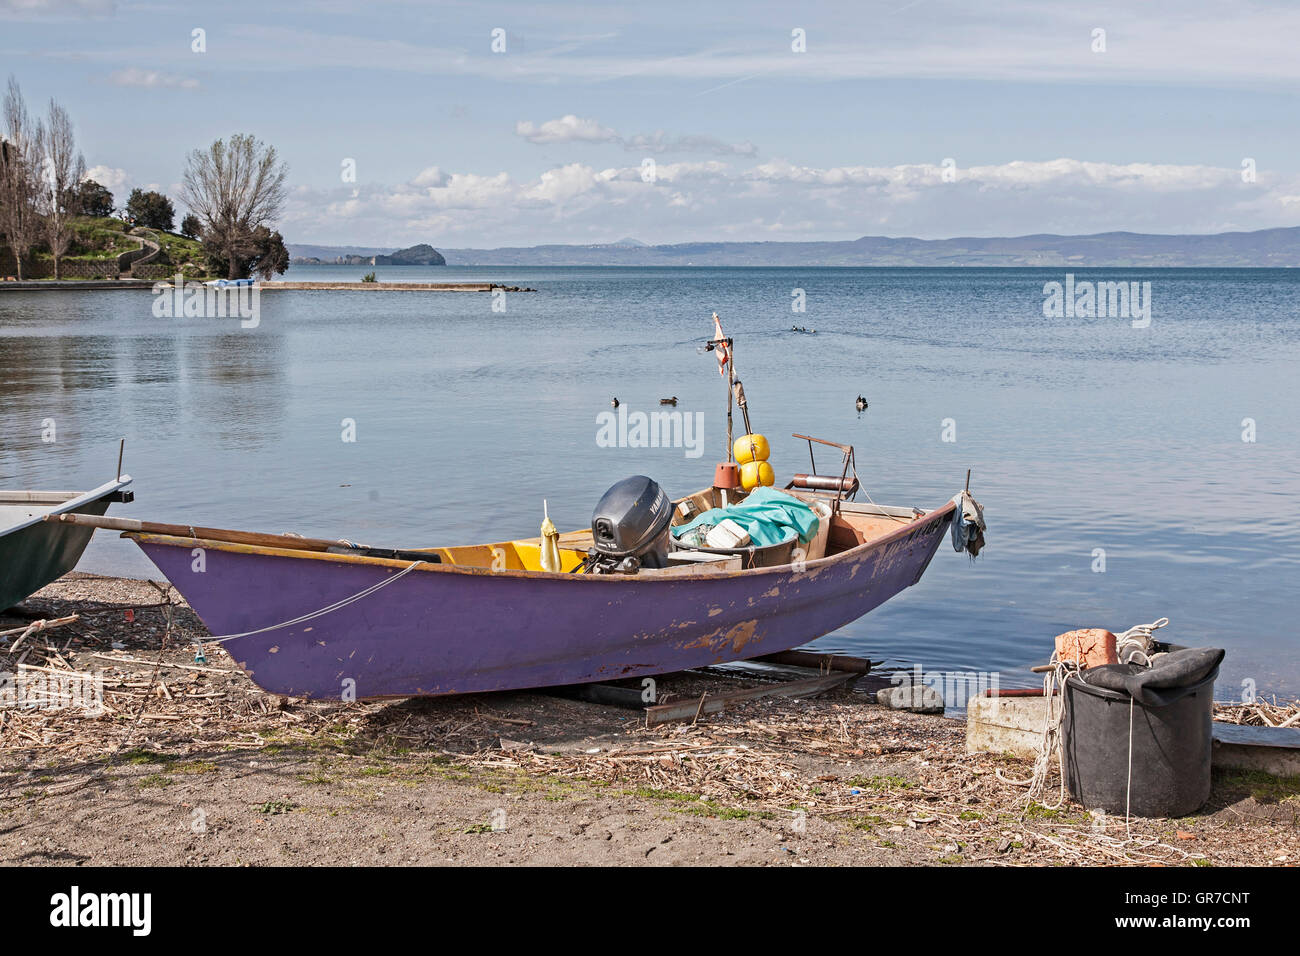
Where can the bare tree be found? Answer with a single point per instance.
(19, 176)
(234, 188)
(62, 171)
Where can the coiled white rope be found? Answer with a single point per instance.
(336, 606)
(1136, 641)
(1053, 714)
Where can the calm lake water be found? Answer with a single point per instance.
(1082, 433)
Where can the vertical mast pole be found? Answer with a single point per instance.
(731, 388)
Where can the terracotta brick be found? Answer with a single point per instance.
(1089, 647)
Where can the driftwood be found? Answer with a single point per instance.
(35, 628)
(1261, 713)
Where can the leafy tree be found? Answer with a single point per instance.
(191, 227)
(151, 209)
(272, 256)
(92, 199)
(236, 189)
(262, 253)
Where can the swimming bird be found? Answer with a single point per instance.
(614, 401)
(668, 401)
(861, 403)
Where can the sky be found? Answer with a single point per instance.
(497, 124)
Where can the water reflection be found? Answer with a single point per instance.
(1082, 434)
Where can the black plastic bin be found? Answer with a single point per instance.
(1171, 735)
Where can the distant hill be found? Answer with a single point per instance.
(421, 255)
(303, 250)
(1267, 247)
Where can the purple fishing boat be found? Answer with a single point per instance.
(736, 571)
(328, 619)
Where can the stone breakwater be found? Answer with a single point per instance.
(393, 286)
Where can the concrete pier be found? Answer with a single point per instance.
(392, 286)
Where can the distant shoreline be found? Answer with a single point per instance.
(1264, 248)
(118, 285)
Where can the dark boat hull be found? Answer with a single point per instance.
(39, 552)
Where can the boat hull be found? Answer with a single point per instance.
(39, 552)
(441, 629)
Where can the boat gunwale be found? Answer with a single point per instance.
(82, 499)
(398, 564)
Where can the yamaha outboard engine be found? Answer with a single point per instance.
(630, 528)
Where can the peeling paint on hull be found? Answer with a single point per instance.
(450, 630)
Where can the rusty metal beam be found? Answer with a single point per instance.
(611, 695)
(823, 662)
(712, 703)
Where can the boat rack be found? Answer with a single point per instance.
(832, 671)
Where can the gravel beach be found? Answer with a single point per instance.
(191, 764)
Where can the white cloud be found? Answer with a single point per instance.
(717, 200)
(115, 180)
(572, 129)
(566, 129)
(134, 76)
(1171, 42)
(55, 9)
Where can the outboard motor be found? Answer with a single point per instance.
(630, 528)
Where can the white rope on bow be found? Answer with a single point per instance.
(336, 606)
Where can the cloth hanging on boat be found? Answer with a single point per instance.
(550, 542)
(770, 517)
(968, 524)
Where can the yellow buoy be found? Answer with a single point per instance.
(751, 448)
(755, 473)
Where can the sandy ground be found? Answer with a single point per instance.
(193, 765)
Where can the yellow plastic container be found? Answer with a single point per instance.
(755, 473)
(751, 448)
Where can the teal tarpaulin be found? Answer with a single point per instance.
(770, 517)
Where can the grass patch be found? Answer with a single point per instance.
(194, 767)
(867, 823)
(1264, 787)
(154, 781)
(274, 807)
(697, 806)
(653, 793)
(139, 755)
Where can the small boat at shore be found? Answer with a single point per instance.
(330, 619)
(34, 552)
(737, 570)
